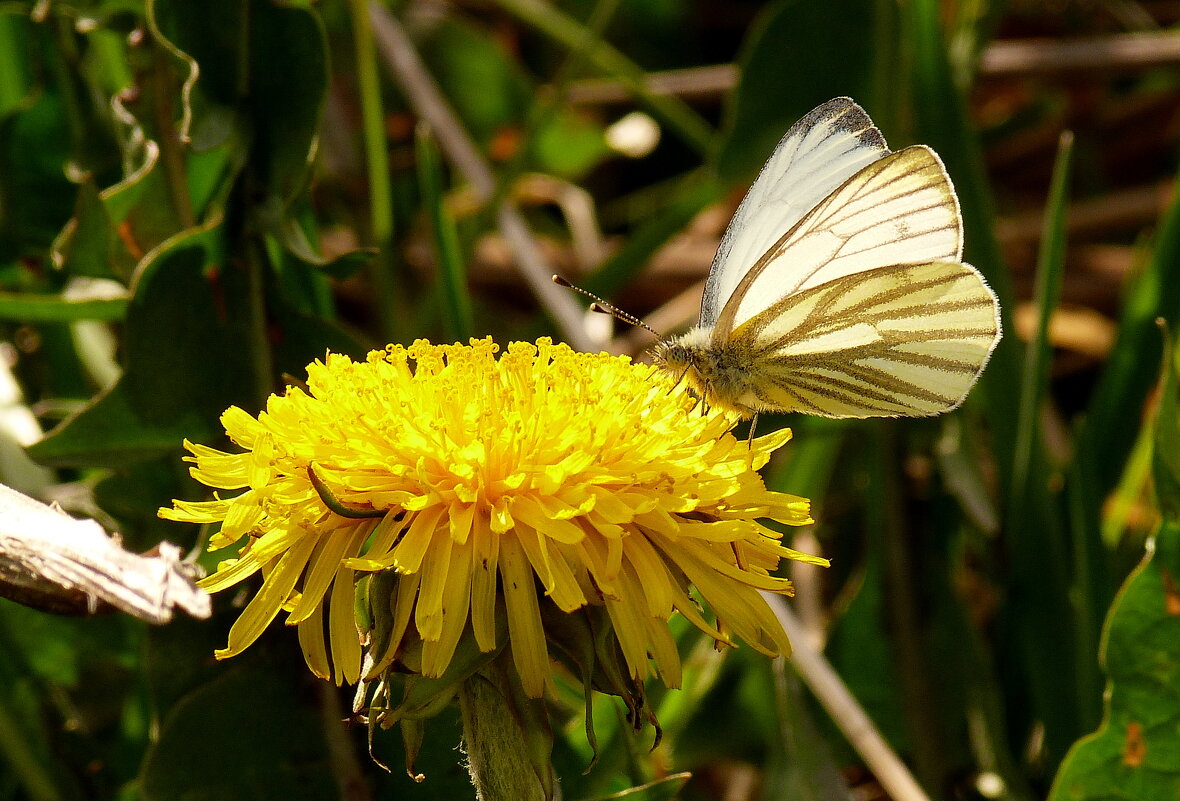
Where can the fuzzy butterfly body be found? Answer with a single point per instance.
(839, 288)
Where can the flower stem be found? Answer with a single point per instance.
(501, 734)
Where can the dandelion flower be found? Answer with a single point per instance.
(497, 492)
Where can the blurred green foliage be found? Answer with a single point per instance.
(211, 195)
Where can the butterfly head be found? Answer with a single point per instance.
(716, 373)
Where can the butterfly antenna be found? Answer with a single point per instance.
(602, 307)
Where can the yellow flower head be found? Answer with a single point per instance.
(496, 489)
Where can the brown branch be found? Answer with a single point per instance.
(1116, 53)
(1003, 58)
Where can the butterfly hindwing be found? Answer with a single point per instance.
(899, 209)
(819, 153)
(908, 340)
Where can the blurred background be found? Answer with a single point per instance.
(198, 199)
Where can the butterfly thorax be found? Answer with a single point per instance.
(718, 373)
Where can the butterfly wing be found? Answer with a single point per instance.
(901, 209)
(818, 154)
(909, 340)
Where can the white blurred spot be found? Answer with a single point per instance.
(600, 327)
(990, 785)
(635, 135)
(18, 429)
(96, 343)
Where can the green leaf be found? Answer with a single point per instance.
(83, 247)
(209, 40)
(261, 80)
(1166, 451)
(1041, 554)
(15, 57)
(93, 140)
(1135, 753)
(568, 146)
(251, 733)
(307, 337)
(176, 657)
(488, 90)
(87, 244)
(110, 432)
(55, 309)
(113, 228)
(295, 240)
(36, 199)
(132, 496)
(186, 326)
(811, 43)
(288, 61)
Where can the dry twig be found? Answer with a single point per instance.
(52, 562)
(846, 713)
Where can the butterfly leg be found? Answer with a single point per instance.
(679, 378)
(750, 436)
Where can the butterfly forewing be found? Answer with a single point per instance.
(818, 154)
(899, 209)
(909, 340)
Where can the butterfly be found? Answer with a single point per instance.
(838, 288)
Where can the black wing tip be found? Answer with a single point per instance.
(845, 114)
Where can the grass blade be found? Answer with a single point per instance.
(55, 309)
(377, 168)
(942, 122)
(454, 299)
(1105, 440)
(672, 111)
(1035, 384)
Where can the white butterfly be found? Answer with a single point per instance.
(838, 289)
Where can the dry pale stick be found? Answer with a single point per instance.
(53, 562)
(846, 713)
